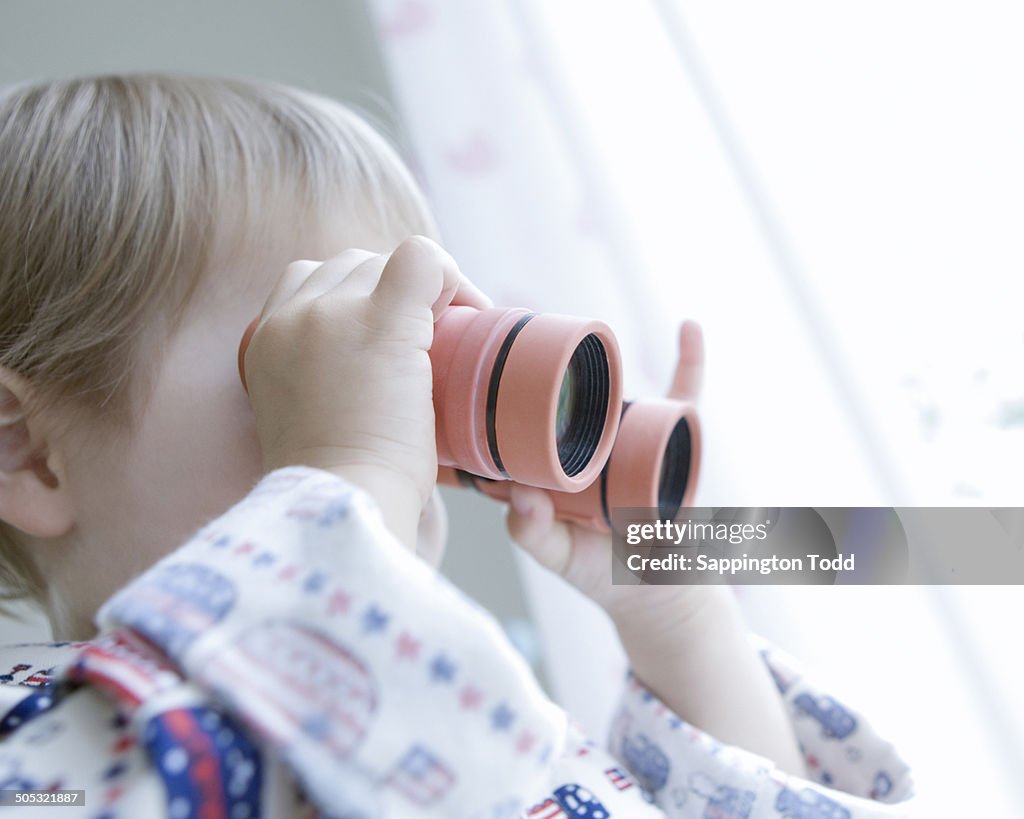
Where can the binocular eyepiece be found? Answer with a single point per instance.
(526, 397)
(537, 399)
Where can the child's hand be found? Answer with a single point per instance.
(338, 372)
(688, 644)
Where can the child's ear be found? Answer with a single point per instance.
(33, 493)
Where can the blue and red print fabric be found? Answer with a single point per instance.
(293, 660)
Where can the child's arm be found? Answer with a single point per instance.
(688, 644)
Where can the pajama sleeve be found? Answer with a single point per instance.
(852, 773)
(384, 689)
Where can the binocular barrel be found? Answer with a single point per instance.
(536, 399)
(654, 464)
(527, 397)
(521, 396)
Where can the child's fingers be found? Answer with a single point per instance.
(689, 374)
(417, 263)
(308, 280)
(294, 275)
(365, 276)
(469, 295)
(531, 523)
(353, 267)
(418, 274)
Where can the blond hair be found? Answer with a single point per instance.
(115, 192)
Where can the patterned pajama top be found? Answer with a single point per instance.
(293, 660)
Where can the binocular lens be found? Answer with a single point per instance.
(675, 470)
(582, 405)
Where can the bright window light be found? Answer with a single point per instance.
(837, 193)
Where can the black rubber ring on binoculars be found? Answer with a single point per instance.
(492, 391)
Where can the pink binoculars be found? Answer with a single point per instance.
(536, 399)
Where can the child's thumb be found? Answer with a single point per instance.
(531, 523)
(419, 273)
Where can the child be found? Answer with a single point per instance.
(296, 651)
